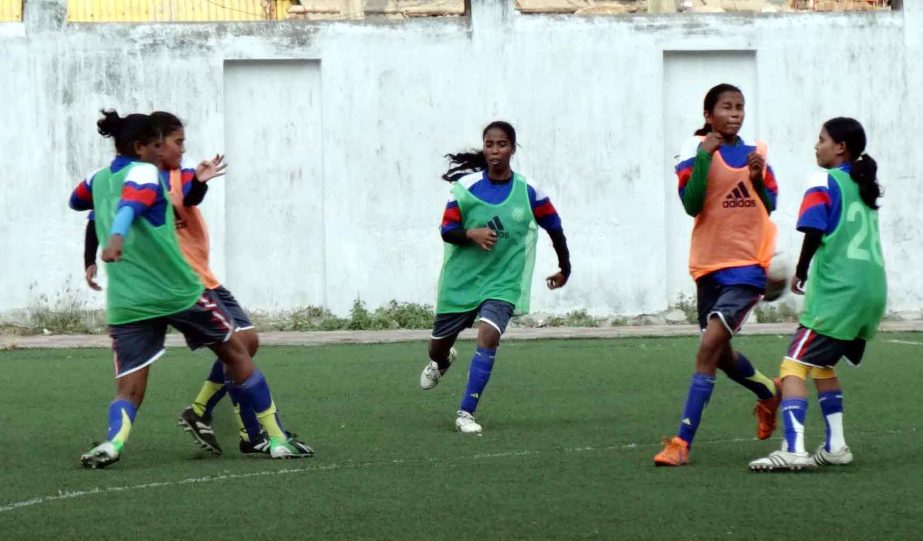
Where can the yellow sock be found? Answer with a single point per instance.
(209, 388)
(761, 379)
(269, 422)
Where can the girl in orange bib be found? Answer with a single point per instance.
(728, 188)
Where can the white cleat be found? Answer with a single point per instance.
(824, 457)
(783, 461)
(431, 374)
(100, 456)
(465, 423)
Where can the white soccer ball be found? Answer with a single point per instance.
(777, 277)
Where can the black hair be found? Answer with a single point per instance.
(711, 99)
(863, 169)
(166, 122)
(465, 163)
(127, 131)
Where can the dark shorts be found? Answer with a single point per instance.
(495, 313)
(140, 343)
(813, 349)
(731, 304)
(238, 315)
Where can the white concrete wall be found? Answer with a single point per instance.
(585, 93)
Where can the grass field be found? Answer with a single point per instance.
(569, 430)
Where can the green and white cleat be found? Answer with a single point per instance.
(102, 455)
(432, 374)
(289, 447)
(783, 461)
(840, 457)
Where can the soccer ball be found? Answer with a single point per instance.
(777, 278)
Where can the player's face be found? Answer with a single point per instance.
(728, 115)
(174, 145)
(151, 152)
(498, 149)
(828, 153)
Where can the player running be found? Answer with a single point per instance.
(489, 227)
(729, 189)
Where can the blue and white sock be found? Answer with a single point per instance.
(478, 375)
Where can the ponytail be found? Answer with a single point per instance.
(864, 172)
(704, 130)
(126, 131)
(464, 163)
(863, 169)
(473, 161)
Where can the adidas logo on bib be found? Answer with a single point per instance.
(739, 197)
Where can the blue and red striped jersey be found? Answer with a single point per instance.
(141, 191)
(822, 203)
(494, 193)
(733, 155)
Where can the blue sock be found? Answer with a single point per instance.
(254, 393)
(121, 416)
(478, 376)
(793, 414)
(744, 373)
(217, 373)
(700, 389)
(831, 405)
(247, 415)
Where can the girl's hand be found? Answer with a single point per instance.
(711, 142)
(797, 286)
(756, 163)
(113, 251)
(90, 275)
(210, 169)
(483, 237)
(556, 280)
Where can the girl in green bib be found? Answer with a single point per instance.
(489, 228)
(841, 273)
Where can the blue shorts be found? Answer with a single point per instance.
(813, 349)
(731, 304)
(495, 313)
(140, 343)
(238, 315)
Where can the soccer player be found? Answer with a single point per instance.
(151, 285)
(187, 188)
(489, 230)
(845, 296)
(729, 189)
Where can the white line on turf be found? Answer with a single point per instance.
(73, 494)
(907, 342)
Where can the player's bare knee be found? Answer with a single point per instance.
(488, 336)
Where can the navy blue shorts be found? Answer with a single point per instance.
(238, 315)
(140, 343)
(731, 304)
(495, 313)
(813, 349)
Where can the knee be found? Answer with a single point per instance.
(253, 342)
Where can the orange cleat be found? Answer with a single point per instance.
(765, 412)
(675, 453)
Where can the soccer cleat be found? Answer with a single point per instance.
(765, 412)
(200, 430)
(258, 448)
(675, 453)
(465, 423)
(824, 457)
(432, 374)
(289, 447)
(783, 461)
(101, 455)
